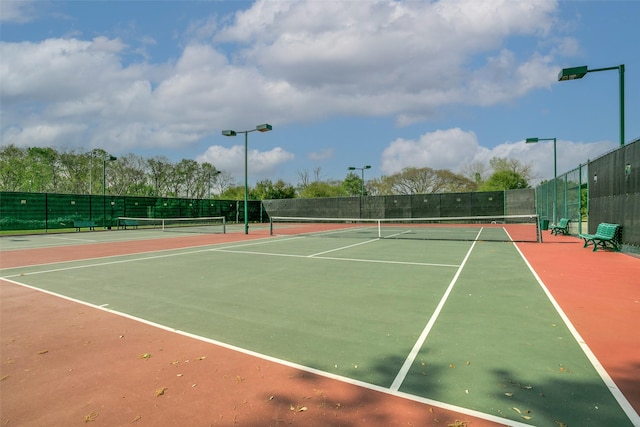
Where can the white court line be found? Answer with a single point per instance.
(341, 248)
(604, 375)
(373, 261)
(282, 362)
(404, 370)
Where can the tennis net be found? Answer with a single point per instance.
(505, 228)
(214, 224)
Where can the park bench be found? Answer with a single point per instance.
(606, 235)
(561, 227)
(124, 223)
(84, 224)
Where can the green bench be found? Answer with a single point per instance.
(84, 224)
(124, 223)
(561, 227)
(606, 235)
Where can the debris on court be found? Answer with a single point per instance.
(145, 356)
(91, 417)
(160, 391)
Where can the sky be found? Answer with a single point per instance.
(391, 84)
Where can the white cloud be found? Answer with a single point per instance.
(17, 11)
(442, 149)
(260, 163)
(454, 149)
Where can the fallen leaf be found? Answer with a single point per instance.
(160, 391)
(517, 410)
(302, 408)
(509, 394)
(451, 365)
(43, 352)
(137, 418)
(91, 417)
(144, 356)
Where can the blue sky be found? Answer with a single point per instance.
(392, 84)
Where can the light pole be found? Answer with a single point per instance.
(555, 172)
(579, 72)
(104, 185)
(260, 128)
(352, 168)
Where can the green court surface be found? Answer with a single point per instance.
(463, 323)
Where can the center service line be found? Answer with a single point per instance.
(402, 374)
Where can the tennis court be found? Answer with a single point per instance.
(464, 324)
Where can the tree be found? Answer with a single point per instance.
(499, 164)
(353, 184)
(422, 181)
(222, 183)
(12, 169)
(42, 169)
(323, 189)
(233, 193)
(159, 169)
(266, 190)
(504, 180)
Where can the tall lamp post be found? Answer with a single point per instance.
(352, 168)
(555, 172)
(104, 185)
(579, 72)
(260, 128)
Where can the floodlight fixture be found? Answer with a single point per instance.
(579, 72)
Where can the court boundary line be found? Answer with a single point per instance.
(595, 363)
(293, 365)
(411, 357)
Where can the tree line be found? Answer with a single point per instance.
(48, 170)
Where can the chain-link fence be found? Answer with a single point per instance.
(606, 189)
(565, 197)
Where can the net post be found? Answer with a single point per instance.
(379, 229)
(271, 226)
